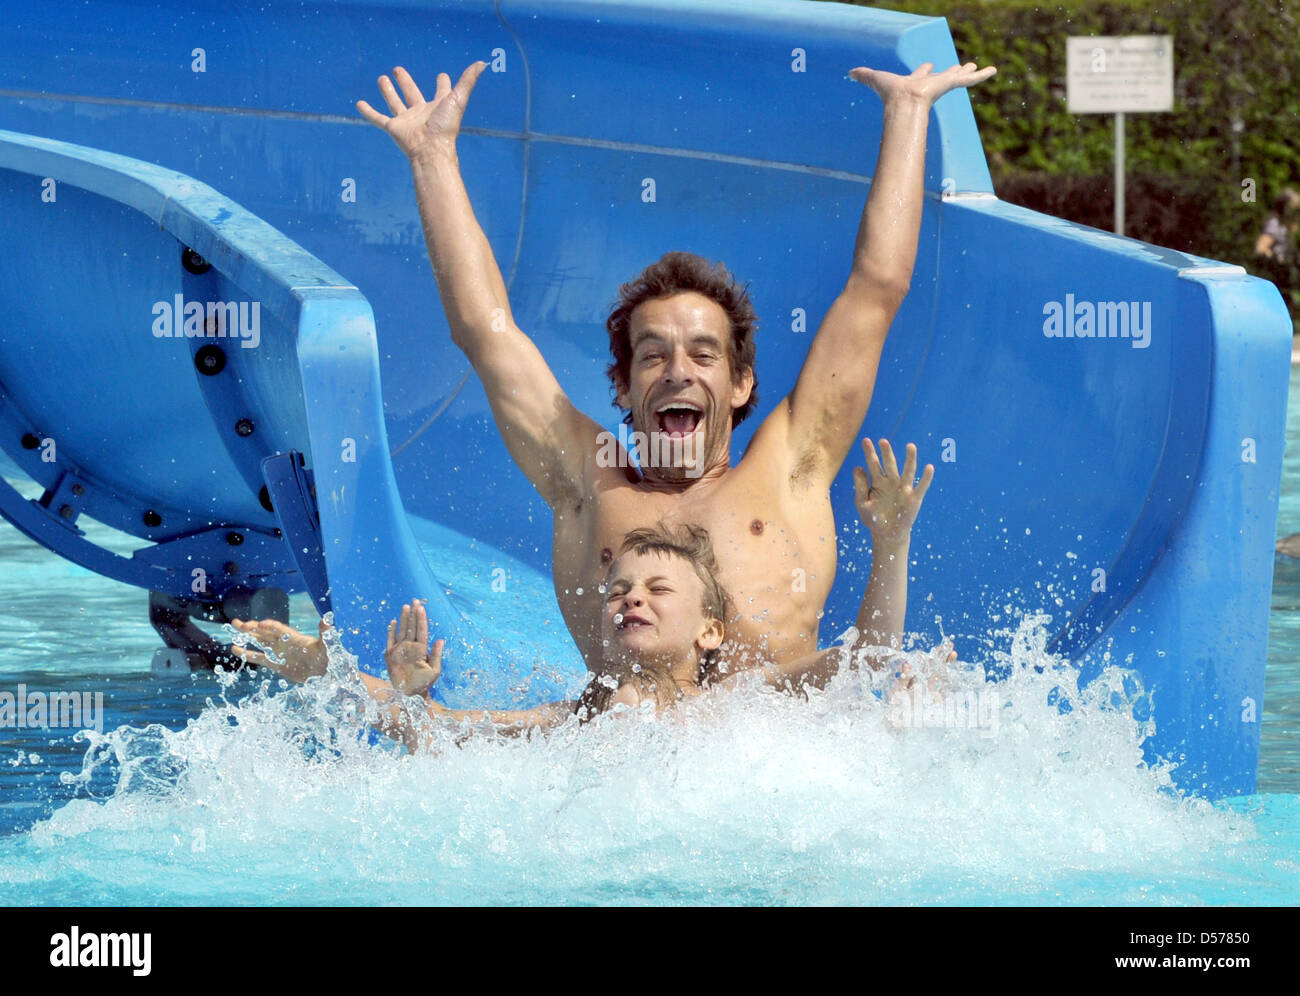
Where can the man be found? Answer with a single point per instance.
(684, 370)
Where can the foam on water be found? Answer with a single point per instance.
(751, 795)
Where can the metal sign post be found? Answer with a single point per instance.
(1109, 74)
(1119, 172)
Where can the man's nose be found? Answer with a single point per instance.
(679, 370)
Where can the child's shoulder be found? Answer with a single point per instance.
(627, 694)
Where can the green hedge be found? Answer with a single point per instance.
(1236, 117)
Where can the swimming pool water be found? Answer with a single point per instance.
(1279, 762)
(233, 789)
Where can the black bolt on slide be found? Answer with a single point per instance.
(193, 262)
(210, 359)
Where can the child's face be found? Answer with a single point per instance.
(654, 609)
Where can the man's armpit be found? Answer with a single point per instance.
(809, 458)
(569, 461)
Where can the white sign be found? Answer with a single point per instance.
(1109, 74)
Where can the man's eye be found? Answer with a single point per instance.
(661, 590)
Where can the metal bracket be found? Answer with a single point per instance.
(292, 490)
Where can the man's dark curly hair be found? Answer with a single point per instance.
(674, 273)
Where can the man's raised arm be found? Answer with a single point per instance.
(830, 398)
(542, 430)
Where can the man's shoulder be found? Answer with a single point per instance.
(770, 452)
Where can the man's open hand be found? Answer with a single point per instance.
(419, 126)
(921, 85)
(412, 667)
(887, 501)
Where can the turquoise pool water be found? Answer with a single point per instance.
(222, 789)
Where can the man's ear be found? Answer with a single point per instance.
(711, 638)
(742, 385)
(621, 395)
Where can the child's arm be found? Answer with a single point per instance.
(413, 667)
(888, 504)
(298, 657)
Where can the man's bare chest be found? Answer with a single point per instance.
(760, 541)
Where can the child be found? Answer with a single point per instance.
(663, 619)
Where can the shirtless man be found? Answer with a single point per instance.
(681, 372)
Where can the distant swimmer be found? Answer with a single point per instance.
(1277, 239)
(683, 369)
(662, 613)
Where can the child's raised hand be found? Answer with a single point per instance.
(412, 667)
(887, 501)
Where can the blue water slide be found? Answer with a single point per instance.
(1125, 485)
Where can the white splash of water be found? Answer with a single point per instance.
(745, 795)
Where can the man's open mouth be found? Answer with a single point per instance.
(679, 418)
